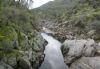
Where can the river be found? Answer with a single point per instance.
(53, 55)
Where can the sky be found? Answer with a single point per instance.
(38, 3)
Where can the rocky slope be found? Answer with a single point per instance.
(81, 17)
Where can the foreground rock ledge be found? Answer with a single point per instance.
(78, 48)
(86, 63)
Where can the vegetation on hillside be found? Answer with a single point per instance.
(74, 15)
(16, 22)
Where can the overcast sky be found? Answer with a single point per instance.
(38, 3)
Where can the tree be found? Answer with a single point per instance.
(27, 3)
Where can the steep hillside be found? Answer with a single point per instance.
(77, 16)
(19, 37)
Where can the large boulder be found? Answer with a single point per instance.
(86, 63)
(77, 48)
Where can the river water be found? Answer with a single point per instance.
(53, 55)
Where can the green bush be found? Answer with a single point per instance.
(8, 40)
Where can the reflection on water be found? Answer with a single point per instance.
(53, 55)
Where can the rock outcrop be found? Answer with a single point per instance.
(82, 54)
(78, 48)
(86, 63)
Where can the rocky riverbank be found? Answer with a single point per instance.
(78, 54)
